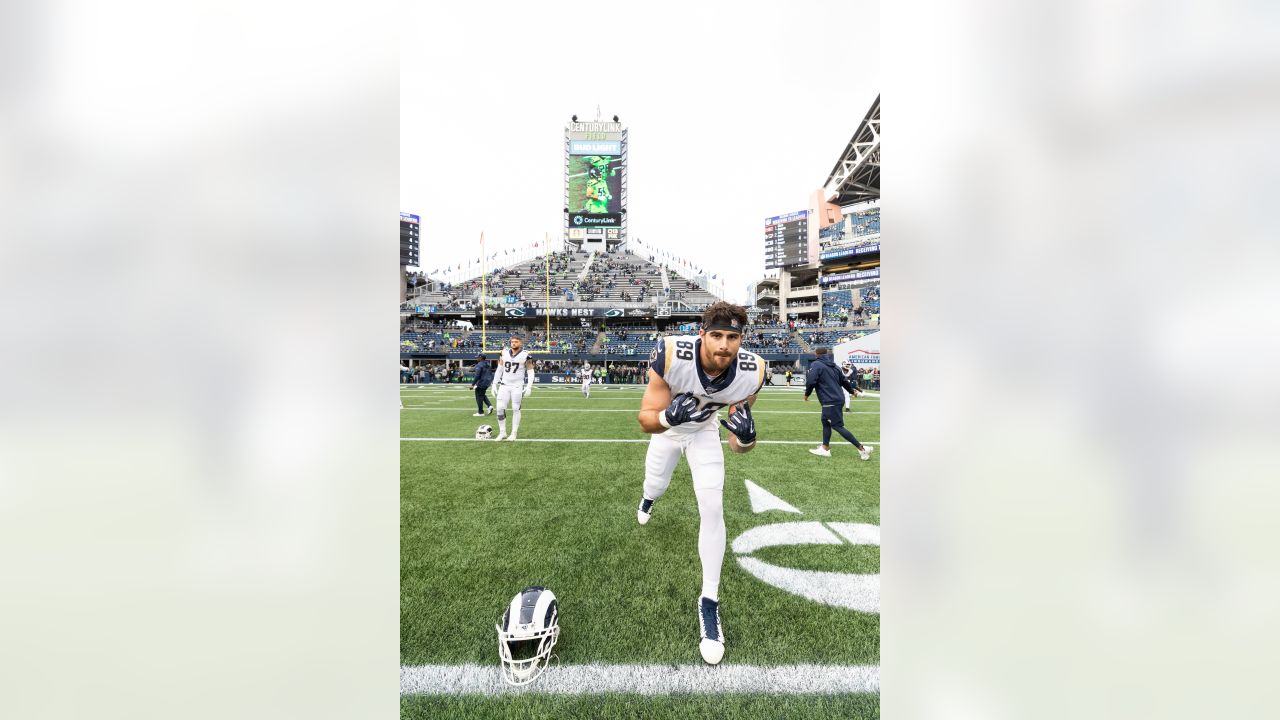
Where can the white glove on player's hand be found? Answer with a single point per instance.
(528, 389)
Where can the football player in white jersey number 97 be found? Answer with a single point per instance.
(515, 382)
(690, 378)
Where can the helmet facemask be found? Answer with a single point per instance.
(525, 648)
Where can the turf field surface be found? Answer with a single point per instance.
(482, 519)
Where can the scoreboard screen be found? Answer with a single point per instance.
(786, 240)
(409, 239)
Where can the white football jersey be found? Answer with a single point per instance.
(678, 360)
(511, 370)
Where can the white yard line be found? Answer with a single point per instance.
(644, 680)
(815, 443)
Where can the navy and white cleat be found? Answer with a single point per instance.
(645, 510)
(712, 645)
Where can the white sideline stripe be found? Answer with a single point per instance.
(538, 409)
(644, 680)
(606, 440)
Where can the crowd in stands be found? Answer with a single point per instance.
(433, 372)
(767, 339)
(609, 271)
(871, 297)
(614, 275)
(866, 222)
(420, 335)
(607, 373)
(633, 339)
(869, 379)
(603, 372)
(569, 341)
(852, 226)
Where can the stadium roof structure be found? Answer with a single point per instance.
(856, 176)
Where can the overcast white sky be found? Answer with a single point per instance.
(736, 112)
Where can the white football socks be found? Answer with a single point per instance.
(711, 537)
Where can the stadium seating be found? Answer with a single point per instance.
(630, 340)
(865, 223)
(870, 297)
(688, 292)
(833, 301)
(576, 276)
(618, 276)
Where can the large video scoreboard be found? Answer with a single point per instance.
(786, 240)
(595, 185)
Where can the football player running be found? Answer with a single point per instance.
(585, 374)
(515, 382)
(690, 378)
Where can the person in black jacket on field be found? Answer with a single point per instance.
(484, 378)
(830, 383)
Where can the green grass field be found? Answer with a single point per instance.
(480, 520)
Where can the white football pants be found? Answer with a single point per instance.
(512, 394)
(706, 463)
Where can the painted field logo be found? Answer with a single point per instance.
(858, 592)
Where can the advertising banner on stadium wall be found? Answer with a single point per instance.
(558, 379)
(840, 252)
(571, 312)
(862, 352)
(595, 147)
(856, 275)
(588, 220)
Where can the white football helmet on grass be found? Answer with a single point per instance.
(528, 632)
(484, 432)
